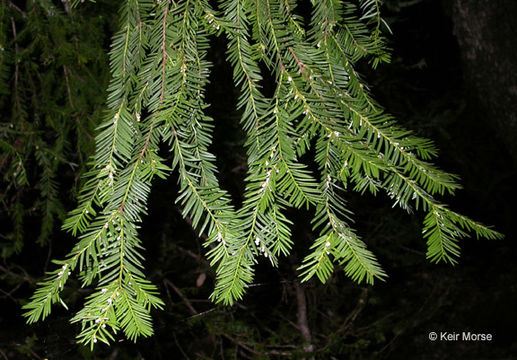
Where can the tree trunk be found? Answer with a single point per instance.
(486, 31)
(303, 324)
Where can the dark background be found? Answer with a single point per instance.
(451, 79)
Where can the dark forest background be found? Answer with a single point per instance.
(451, 79)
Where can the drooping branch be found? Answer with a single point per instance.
(160, 72)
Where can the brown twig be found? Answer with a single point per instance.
(25, 277)
(13, 6)
(185, 356)
(201, 314)
(16, 67)
(183, 297)
(68, 90)
(8, 294)
(294, 325)
(255, 352)
(33, 353)
(192, 254)
(3, 355)
(241, 344)
(361, 303)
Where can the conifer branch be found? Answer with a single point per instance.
(157, 94)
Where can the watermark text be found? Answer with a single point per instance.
(460, 336)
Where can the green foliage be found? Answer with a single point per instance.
(52, 71)
(320, 106)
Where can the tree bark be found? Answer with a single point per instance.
(303, 324)
(486, 31)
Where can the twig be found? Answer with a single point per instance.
(13, 6)
(33, 353)
(201, 314)
(221, 348)
(179, 346)
(294, 325)
(359, 307)
(25, 277)
(255, 352)
(68, 90)
(361, 303)
(8, 294)
(286, 346)
(241, 344)
(192, 254)
(16, 67)
(183, 297)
